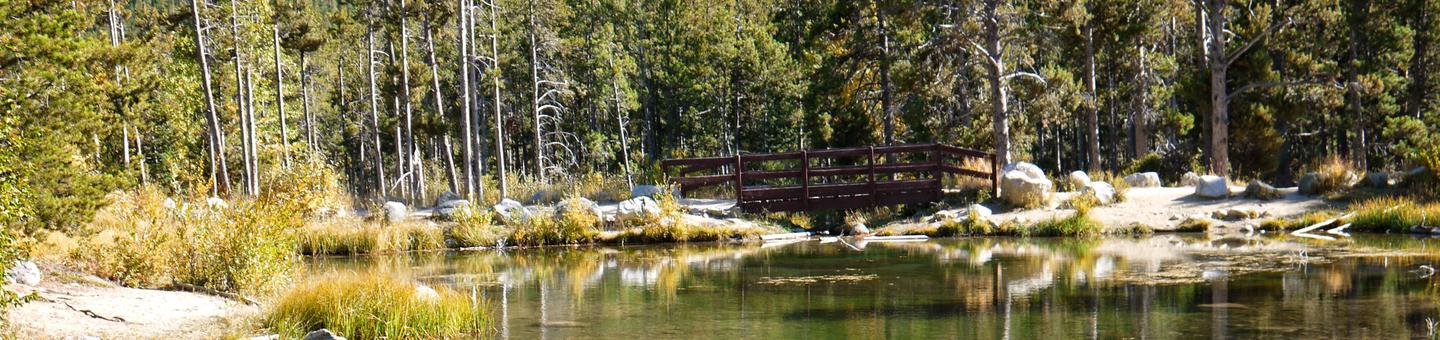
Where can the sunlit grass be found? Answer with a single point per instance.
(376, 306)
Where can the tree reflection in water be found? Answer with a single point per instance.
(1165, 286)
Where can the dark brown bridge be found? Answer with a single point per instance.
(845, 178)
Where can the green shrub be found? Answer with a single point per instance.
(376, 306)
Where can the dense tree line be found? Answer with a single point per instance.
(213, 96)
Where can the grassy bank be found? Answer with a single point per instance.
(376, 306)
(1079, 224)
(143, 240)
(567, 225)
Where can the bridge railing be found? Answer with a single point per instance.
(843, 178)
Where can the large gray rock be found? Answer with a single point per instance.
(579, 205)
(1030, 170)
(1143, 180)
(1078, 179)
(1261, 190)
(323, 334)
(1019, 188)
(395, 211)
(651, 191)
(1104, 192)
(1306, 184)
(448, 209)
(23, 272)
(1379, 179)
(1211, 186)
(511, 209)
(1190, 179)
(446, 197)
(636, 208)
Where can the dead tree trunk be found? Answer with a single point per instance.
(467, 158)
(995, 75)
(439, 99)
(280, 97)
(1092, 105)
(374, 102)
(414, 183)
(218, 173)
(305, 104)
(499, 119)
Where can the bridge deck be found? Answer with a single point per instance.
(845, 178)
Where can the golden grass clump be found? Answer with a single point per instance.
(1393, 214)
(141, 241)
(1333, 175)
(376, 306)
(475, 228)
(354, 237)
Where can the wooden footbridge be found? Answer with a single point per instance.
(845, 178)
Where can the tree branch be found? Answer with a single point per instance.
(1269, 31)
(1024, 74)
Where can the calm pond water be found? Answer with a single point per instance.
(1160, 287)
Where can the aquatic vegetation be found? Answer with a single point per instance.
(1284, 224)
(1393, 214)
(475, 228)
(354, 237)
(376, 306)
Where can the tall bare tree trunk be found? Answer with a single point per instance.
(1092, 105)
(1219, 98)
(1420, 59)
(435, 82)
(887, 105)
(412, 181)
(218, 173)
(620, 121)
(280, 96)
(499, 119)
(305, 103)
(450, 165)
(468, 150)
(535, 104)
(996, 73)
(374, 101)
(1141, 122)
(241, 103)
(254, 155)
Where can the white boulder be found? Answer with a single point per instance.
(979, 211)
(1143, 180)
(651, 191)
(216, 203)
(1190, 179)
(1030, 170)
(23, 272)
(511, 209)
(1104, 192)
(1020, 188)
(395, 211)
(579, 205)
(1078, 179)
(636, 208)
(1211, 186)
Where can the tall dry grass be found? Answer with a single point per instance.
(377, 306)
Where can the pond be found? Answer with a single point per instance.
(1156, 287)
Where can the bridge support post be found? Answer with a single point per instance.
(805, 179)
(739, 181)
(873, 200)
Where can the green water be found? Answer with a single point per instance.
(1161, 287)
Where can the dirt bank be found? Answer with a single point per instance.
(74, 305)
